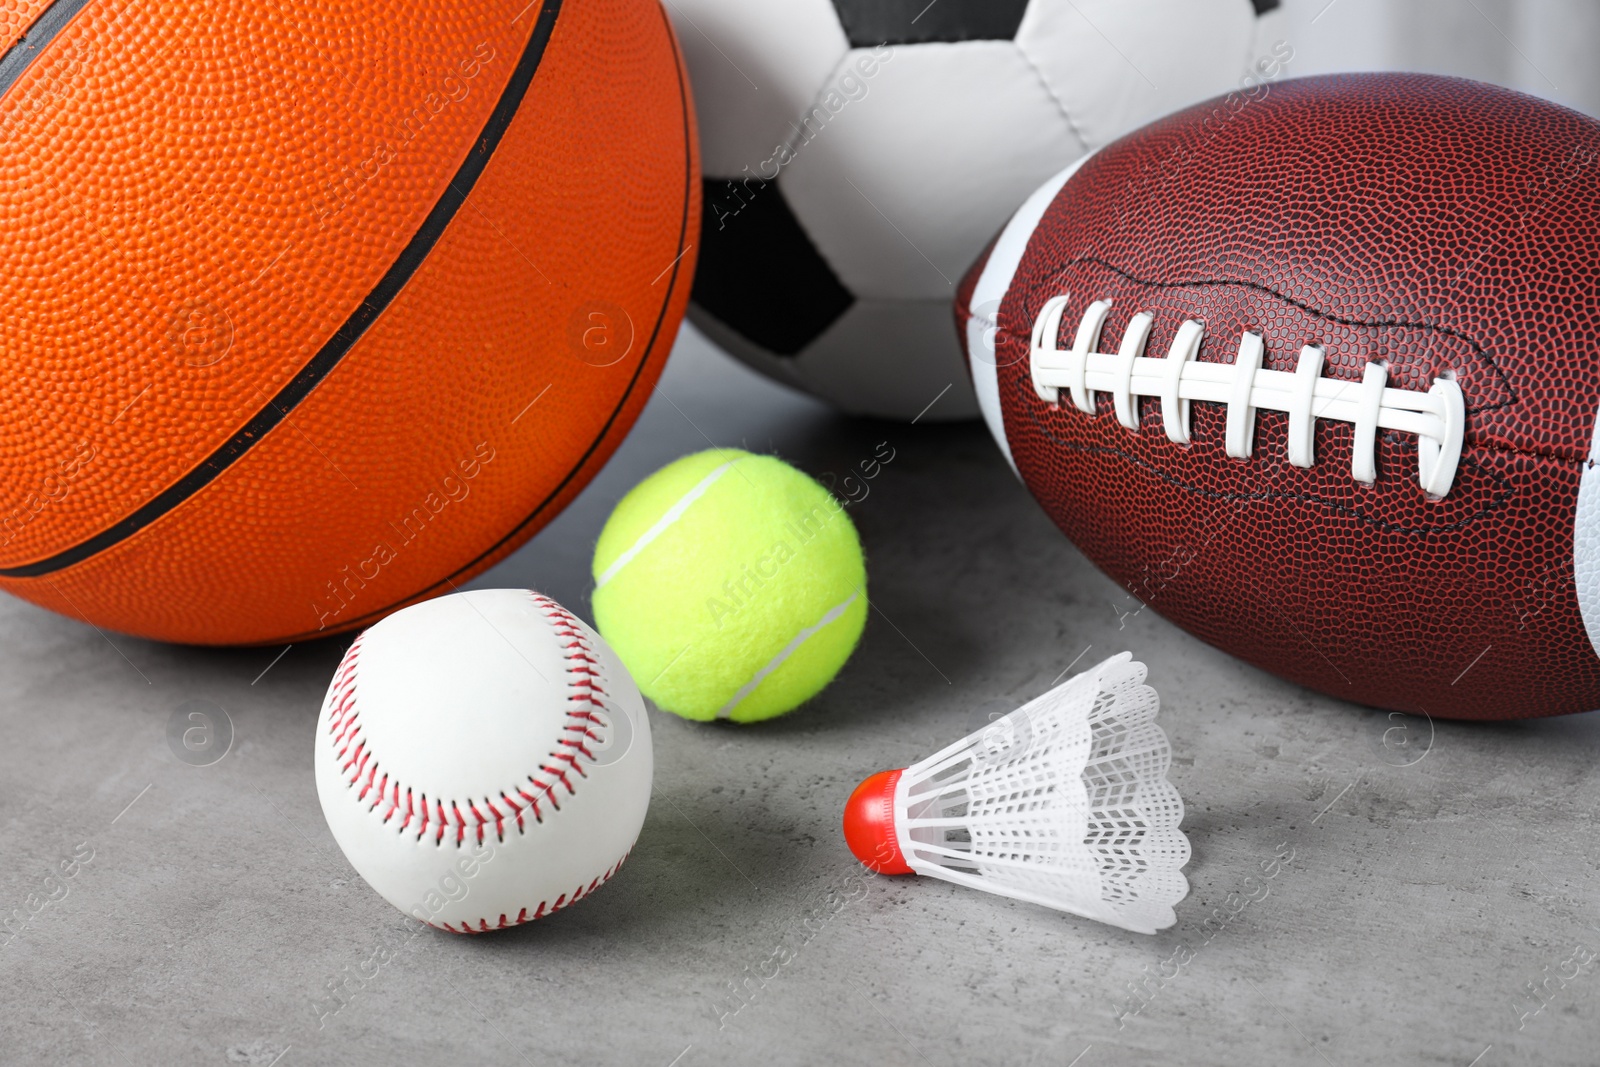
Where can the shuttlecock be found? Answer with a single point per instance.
(1064, 802)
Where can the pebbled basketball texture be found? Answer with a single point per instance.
(1442, 226)
(314, 311)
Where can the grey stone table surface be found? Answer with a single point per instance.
(1365, 889)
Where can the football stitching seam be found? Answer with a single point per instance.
(358, 766)
(1479, 352)
(1436, 416)
(1388, 435)
(1502, 497)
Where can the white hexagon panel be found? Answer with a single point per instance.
(906, 183)
(1115, 65)
(858, 154)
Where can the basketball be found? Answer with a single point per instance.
(315, 311)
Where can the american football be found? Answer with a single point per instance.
(1311, 371)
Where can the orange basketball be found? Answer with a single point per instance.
(315, 310)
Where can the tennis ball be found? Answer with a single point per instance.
(732, 586)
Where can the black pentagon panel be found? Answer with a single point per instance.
(870, 22)
(759, 273)
(1263, 6)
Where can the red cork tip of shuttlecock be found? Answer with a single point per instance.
(869, 824)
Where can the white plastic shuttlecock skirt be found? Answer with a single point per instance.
(1064, 802)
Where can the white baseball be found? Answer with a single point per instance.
(483, 759)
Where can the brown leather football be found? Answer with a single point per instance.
(1312, 370)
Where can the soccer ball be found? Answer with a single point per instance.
(859, 153)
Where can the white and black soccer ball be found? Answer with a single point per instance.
(859, 153)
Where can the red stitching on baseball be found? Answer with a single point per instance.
(361, 767)
(544, 907)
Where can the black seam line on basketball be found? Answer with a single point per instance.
(1196, 283)
(689, 185)
(333, 351)
(20, 56)
(1504, 490)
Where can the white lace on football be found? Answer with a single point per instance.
(1437, 417)
(1064, 802)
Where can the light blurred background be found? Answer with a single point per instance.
(1544, 47)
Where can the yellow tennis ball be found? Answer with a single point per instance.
(732, 586)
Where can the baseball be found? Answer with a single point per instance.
(483, 759)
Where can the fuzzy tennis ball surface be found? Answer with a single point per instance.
(732, 586)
